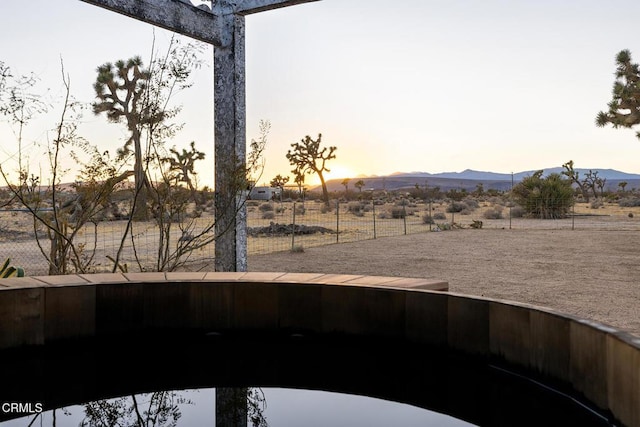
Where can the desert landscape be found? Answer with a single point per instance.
(587, 272)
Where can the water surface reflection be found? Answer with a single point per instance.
(267, 407)
(387, 369)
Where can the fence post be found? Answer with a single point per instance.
(573, 216)
(337, 221)
(373, 210)
(293, 228)
(510, 201)
(404, 215)
(430, 215)
(510, 207)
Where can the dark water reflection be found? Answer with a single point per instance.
(287, 366)
(283, 407)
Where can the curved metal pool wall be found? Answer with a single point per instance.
(600, 362)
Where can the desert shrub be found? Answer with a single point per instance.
(398, 212)
(297, 249)
(427, 219)
(493, 213)
(457, 194)
(268, 215)
(471, 203)
(280, 209)
(325, 209)
(456, 207)
(629, 202)
(495, 200)
(356, 208)
(249, 202)
(596, 204)
(300, 209)
(466, 211)
(383, 215)
(612, 197)
(544, 197)
(402, 202)
(630, 215)
(439, 216)
(517, 212)
(266, 207)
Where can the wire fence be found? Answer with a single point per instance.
(293, 226)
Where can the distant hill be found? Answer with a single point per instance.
(469, 179)
(493, 176)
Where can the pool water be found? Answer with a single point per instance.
(282, 407)
(307, 379)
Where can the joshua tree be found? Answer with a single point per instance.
(279, 182)
(574, 176)
(345, 182)
(308, 157)
(127, 92)
(624, 108)
(593, 181)
(120, 88)
(299, 180)
(183, 165)
(622, 185)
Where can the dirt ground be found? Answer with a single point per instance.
(587, 273)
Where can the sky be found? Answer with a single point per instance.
(400, 86)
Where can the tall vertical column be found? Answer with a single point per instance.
(230, 146)
(231, 407)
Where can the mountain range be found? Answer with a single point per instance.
(469, 179)
(494, 176)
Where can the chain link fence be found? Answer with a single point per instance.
(293, 226)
